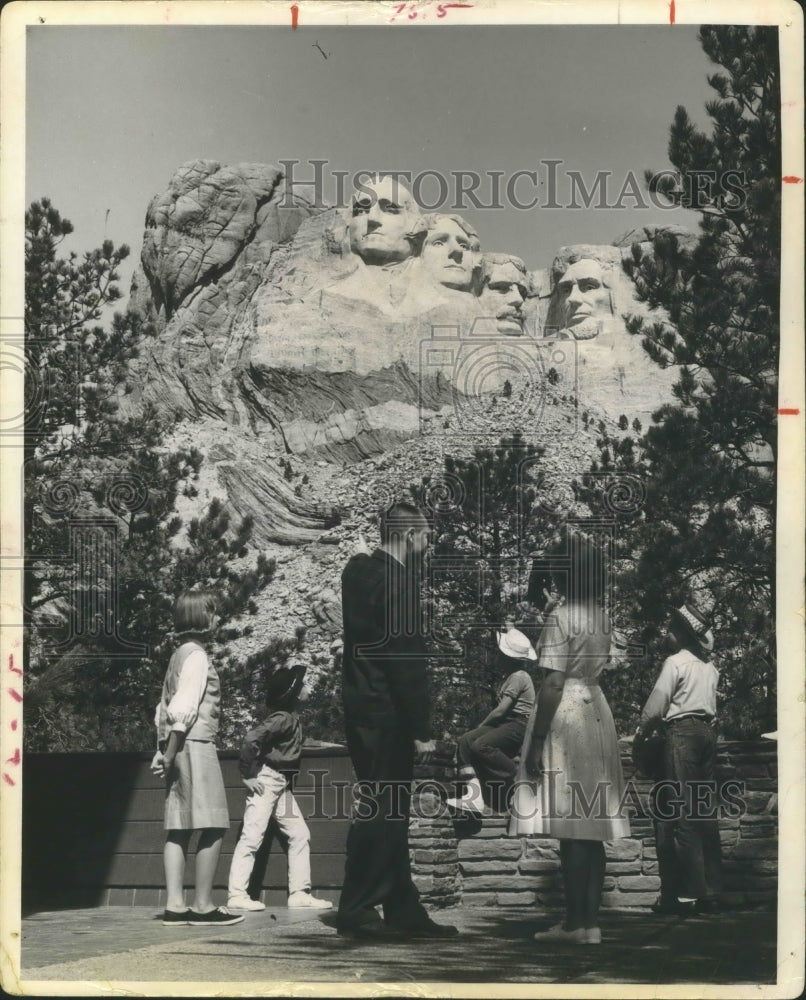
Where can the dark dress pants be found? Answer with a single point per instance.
(686, 803)
(378, 868)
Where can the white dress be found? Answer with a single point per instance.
(580, 793)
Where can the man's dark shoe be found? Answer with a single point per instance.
(429, 929)
(175, 918)
(372, 930)
(673, 907)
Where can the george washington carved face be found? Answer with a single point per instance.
(384, 220)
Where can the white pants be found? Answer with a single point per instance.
(276, 798)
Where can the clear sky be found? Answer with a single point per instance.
(112, 112)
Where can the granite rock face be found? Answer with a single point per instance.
(207, 242)
(336, 336)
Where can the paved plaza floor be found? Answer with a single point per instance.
(130, 944)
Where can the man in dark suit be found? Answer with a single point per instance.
(387, 719)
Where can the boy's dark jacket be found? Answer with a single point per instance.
(277, 741)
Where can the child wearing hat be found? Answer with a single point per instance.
(270, 753)
(683, 703)
(486, 753)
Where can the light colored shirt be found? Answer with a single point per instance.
(575, 640)
(519, 687)
(687, 685)
(183, 708)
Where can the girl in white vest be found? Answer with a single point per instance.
(187, 725)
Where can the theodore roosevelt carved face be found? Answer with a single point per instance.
(503, 292)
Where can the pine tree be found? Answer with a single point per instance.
(490, 530)
(706, 529)
(100, 494)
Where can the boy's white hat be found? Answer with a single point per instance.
(515, 644)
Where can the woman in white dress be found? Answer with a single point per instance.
(570, 784)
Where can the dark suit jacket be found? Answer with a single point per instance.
(384, 681)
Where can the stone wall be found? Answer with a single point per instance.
(110, 846)
(475, 860)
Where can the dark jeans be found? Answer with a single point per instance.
(489, 749)
(685, 807)
(378, 869)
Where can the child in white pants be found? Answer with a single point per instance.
(268, 751)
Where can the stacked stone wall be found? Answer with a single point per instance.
(475, 862)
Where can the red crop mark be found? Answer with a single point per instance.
(15, 757)
(294, 16)
(789, 411)
(792, 179)
(14, 725)
(11, 667)
(14, 694)
(671, 12)
(8, 780)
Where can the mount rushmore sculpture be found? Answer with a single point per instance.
(337, 334)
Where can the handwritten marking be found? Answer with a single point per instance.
(789, 411)
(671, 12)
(294, 16)
(414, 12)
(792, 179)
(15, 758)
(11, 667)
(14, 694)
(8, 781)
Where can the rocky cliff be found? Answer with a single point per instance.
(323, 361)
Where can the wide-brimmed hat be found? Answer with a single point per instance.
(285, 682)
(514, 644)
(695, 624)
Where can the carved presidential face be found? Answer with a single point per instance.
(382, 216)
(502, 297)
(450, 255)
(583, 297)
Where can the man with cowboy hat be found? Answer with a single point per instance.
(486, 753)
(683, 702)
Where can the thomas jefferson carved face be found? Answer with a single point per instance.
(583, 297)
(502, 296)
(384, 215)
(450, 254)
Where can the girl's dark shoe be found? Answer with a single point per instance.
(172, 917)
(219, 917)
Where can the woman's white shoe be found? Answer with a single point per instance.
(559, 933)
